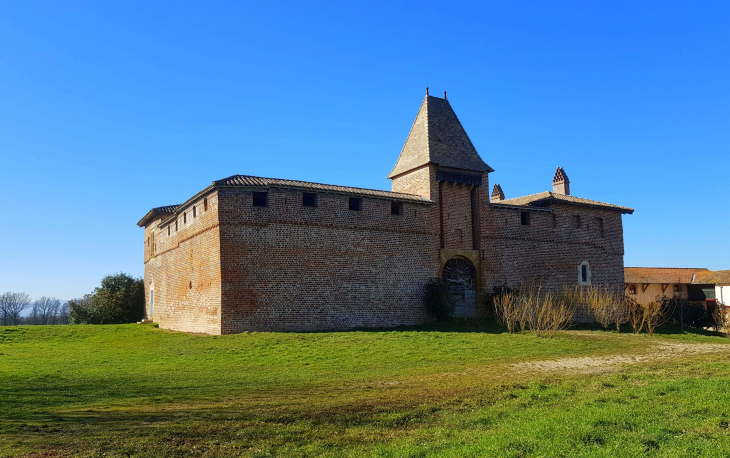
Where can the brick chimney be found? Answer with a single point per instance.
(497, 194)
(561, 183)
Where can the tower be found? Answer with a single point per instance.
(440, 162)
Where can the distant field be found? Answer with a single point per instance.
(460, 389)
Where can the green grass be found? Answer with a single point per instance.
(446, 390)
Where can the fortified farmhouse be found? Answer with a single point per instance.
(263, 254)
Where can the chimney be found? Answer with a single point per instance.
(561, 183)
(497, 194)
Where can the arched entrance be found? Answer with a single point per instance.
(460, 274)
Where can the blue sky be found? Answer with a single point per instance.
(110, 108)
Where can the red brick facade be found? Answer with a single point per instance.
(219, 264)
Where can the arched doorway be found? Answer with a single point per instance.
(460, 274)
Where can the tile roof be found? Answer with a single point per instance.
(438, 137)
(663, 275)
(246, 181)
(157, 211)
(712, 277)
(548, 197)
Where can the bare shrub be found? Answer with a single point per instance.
(722, 319)
(634, 314)
(606, 305)
(656, 314)
(534, 309)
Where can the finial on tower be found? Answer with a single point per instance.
(426, 90)
(444, 95)
(497, 194)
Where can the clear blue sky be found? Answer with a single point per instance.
(110, 108)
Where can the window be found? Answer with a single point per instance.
(309, 199)
(632, 289)
(677, 289)
(555, 220)
(584, 274)
(260, 199)
(599, 225)
(152, 244)
(396, 208)
(185, 217)
(355, 204)
(194, 212)
(168, 230)
(205, 204)
(175, 225)
(576, 221)
(525, 218)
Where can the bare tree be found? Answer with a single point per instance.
(11, 304)
(722, 319)
(45, 310)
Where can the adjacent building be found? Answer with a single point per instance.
(647, 284)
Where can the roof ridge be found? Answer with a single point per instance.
(216, 183)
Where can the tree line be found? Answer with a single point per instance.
(119, 299)
(46, 310)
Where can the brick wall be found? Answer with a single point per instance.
(550, 249)
(289, 267)
(185, 270)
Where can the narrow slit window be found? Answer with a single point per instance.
(260, 199)
(599, 225)
(525, 218)
(195, 214)
(185, 217)
(205, 204)
(168, 230)
(555, 220)
(396, 208)
(176, 225)
(355, 204)
(309, 199)
(584, 273)
(576, 221)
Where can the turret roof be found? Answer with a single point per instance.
(437, 137)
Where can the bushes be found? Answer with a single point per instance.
(534, 309)
(722, 319)
(438, 300)
(120, 299)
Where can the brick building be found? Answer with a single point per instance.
(251, 253)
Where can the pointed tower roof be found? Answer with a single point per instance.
(437, 137)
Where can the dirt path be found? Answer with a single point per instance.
(660, 352)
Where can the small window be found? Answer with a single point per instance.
(205, 204)
(396, 208)
(194, 212)
(355, 204)
(555, 220)
(152, 244)
(185, 217)
(168, 230)
(576, 221)
(259, 199)
(677, 289)
(525, 218)
(599, 225)
(584, 274)
(175, 225)
(632, 289)
(309, 199)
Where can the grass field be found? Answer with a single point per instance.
(458, 389)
